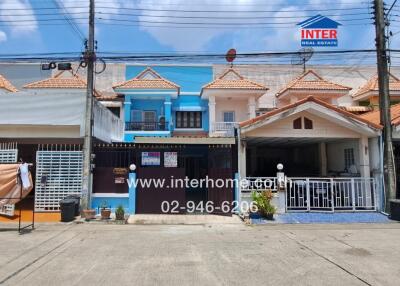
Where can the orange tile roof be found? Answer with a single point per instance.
(315, 83)
(5, 84)
(375, 116)
(59, 81)
(140, 82)
(68, 81)
(305, 100)
(372, 85)
(231, 79)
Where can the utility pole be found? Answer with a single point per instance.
(384, 104)
(90, 58)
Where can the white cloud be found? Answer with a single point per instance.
(196, 39)
(23, 12)
(3, 36)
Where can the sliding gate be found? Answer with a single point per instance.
(58, 174)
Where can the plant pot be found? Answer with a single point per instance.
(105, 213)
(119, 216)
(269, 216)
(89, 214)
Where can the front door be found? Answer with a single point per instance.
(220, 172)
(149, 120)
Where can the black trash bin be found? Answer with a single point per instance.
(395, 210)
(77, 200)
(67, 207)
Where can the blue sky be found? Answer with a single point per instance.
(138, 36)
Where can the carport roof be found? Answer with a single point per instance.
(375, 116)
(314, 100)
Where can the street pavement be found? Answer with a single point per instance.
(215, 254)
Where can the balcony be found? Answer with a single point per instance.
(146, 126)
(223, 129)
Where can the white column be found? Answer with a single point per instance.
(211, 113)
(251, 104)
(363, 151)
(242, 160)
(322, 159)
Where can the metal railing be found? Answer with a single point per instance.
(330, 194)
(259, 184)
(146, 126)
(319, 194)
(225, 129)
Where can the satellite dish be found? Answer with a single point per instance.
(230, 56)
(302, 56)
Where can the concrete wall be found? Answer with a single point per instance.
(335, 154)
(237, 105)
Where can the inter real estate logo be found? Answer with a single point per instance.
(319, 31)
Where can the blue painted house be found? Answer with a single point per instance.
(164, 101)
(166, 136)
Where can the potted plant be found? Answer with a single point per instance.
(262, 201)
(105, 211)
(89, 214)
(120, 213)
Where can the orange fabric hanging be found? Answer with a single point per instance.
(10, 185)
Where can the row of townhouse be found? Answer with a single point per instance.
(204, 121)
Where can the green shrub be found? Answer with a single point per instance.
(263, 202)
(120, 213)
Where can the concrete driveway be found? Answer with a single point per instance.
(97, 254)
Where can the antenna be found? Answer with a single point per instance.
(230, 56)
(302, 56)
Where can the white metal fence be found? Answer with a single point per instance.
(8, 154)
(331, 194)
(58, 174)
(319, 194)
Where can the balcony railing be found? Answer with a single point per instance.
(146, 126)
(224, 129)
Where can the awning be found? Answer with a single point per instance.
(188, 108)
(185, 140)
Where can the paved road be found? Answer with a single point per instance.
(96, 254)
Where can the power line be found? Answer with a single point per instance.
(70, 21)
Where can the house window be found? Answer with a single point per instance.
(149, 116)
(308, 124)
(229, 116)
(188, 119)
(348, 157)
(115, 110)
(297, 123)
